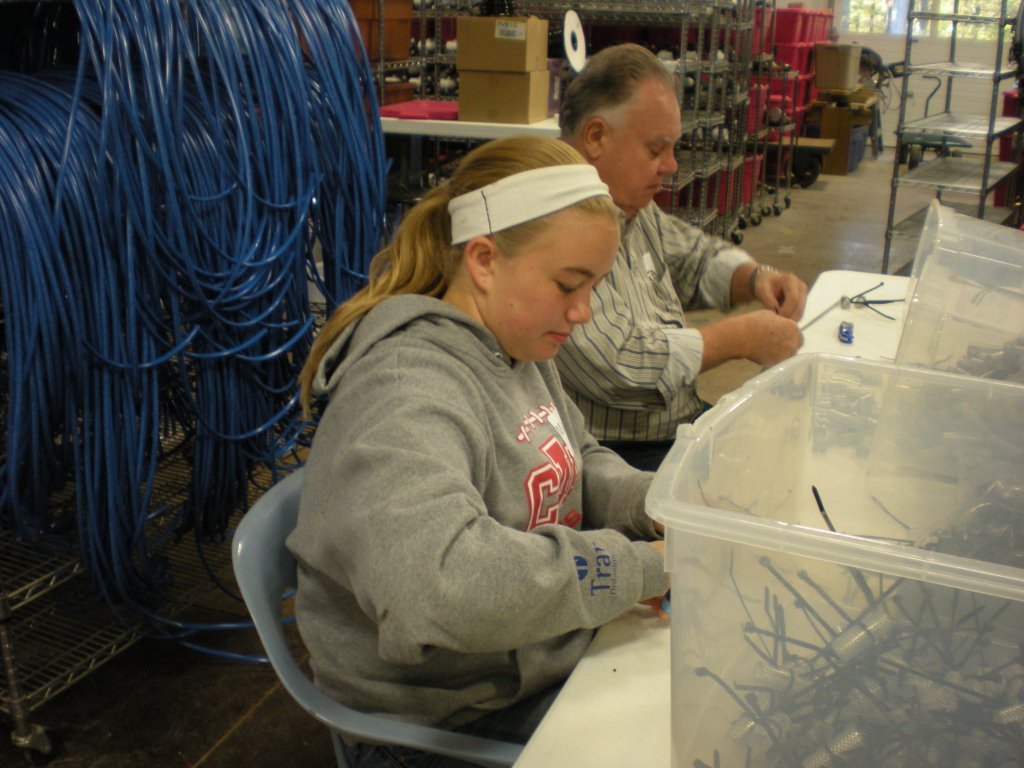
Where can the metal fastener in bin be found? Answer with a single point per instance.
(780, 655)
(893, 683)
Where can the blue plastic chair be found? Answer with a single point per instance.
(265, 570)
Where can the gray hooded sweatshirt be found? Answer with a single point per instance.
(460, 533)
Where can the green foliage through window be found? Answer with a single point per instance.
(890, 17)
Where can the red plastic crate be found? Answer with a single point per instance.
(796, 117)
(789, 25)
(755, 107)
(797, 90)
(796, 55)
(762, 29)
(821, 26)
(422, 109)
(751, 176)
(1010, 105)
(726, 185)
(1010, 101)
(1006, 148)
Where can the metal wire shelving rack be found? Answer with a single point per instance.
(713, 83)
(971, 177)
(55, 630)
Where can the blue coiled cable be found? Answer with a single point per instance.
(178, 168)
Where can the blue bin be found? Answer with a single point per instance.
(858, 144)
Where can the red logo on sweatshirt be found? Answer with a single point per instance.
(548, 485)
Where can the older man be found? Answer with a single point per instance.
(633, 369)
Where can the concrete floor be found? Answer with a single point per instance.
(159, 704)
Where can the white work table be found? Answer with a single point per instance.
(465, 129)
(615, 709)
(874, 337)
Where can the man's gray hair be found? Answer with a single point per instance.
(609, 80)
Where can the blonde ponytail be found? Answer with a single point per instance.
(421, 259)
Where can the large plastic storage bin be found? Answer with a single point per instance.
(858, 146)
(791, 25)
(966, 311)
(761, 37)
(797, 56)
(894, 641)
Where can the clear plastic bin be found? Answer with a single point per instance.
(895, 640)
(966, 310)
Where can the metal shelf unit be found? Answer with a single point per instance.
(713, 83)
(965, 175)
(971, 176)
(54, 628)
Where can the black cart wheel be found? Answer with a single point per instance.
(766, 211)
(742, 222)
(737, 237)
(755, 219)
(777, 209)
(788, 201)
(806, 168)
(39, 745)
(914, 156)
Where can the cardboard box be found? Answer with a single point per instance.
(501, 44)
(836, 66)
(834, 122)
(504, 97)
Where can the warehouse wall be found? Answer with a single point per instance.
(970, 96)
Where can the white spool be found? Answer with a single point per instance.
(573, 41)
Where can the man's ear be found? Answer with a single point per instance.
(594, 138)
(480, 254)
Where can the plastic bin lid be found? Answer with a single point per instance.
(854, 551)
(945, 228)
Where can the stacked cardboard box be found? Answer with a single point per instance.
(503, 69)
(847, 119)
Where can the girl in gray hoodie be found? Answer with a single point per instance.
(461, 534)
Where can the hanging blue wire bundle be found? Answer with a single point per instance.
(194, 158)
(38, 300)
(349, 212)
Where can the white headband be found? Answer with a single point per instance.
(522, 197)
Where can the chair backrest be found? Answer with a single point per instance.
(265, 569)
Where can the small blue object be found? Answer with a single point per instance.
(846, 332)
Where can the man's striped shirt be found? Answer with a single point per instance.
(618, 367)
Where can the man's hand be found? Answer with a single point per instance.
(764, 337)
(781, 292)
(771, 337)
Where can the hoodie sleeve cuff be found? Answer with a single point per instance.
(656, 580)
